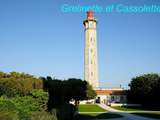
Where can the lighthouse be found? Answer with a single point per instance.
(90, 54)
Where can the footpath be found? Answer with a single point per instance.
(126, 115)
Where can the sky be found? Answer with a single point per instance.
(36, 37)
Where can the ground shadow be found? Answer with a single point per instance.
(98, 116)
(155, 115)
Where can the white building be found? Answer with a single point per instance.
(108, 96)
(113, 97)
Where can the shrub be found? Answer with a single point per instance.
(43, 115)
(8, 115)
(8, 110)
(14, 84)
(64, 112)
(41, 97)
(18, 106)
(8, 87)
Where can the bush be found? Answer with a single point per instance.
(41, 97)
(6, 104)
(21, 84)
(26, 104)
(9, 110)
(64, 112)
(43, 115)
(9, 87)
(21, 106)
(8, 115)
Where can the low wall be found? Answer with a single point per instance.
(119, 104)
(92, 101)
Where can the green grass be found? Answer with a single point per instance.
(90, 108)
(155, 115)
(135, 108)
(95, 108)
(98, 116)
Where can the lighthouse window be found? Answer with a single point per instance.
(91, 39)
(91, 73)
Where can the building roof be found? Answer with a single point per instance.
(111, 92)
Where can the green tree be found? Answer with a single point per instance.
(62, 92)
(145, 89)
(91, 94)
(14, 83)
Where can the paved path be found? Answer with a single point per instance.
(127, 116)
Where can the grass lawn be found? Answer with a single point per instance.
(94, 108)
(155, 115)
(90, 108)
(98, 116)
(137, 108)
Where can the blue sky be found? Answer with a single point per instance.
(37, 38)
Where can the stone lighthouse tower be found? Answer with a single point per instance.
(91, 60)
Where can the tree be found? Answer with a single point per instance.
(145, 90)
(91, 94)
(14, 83)
(62, 92)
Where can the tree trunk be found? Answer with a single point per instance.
(76, 104)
